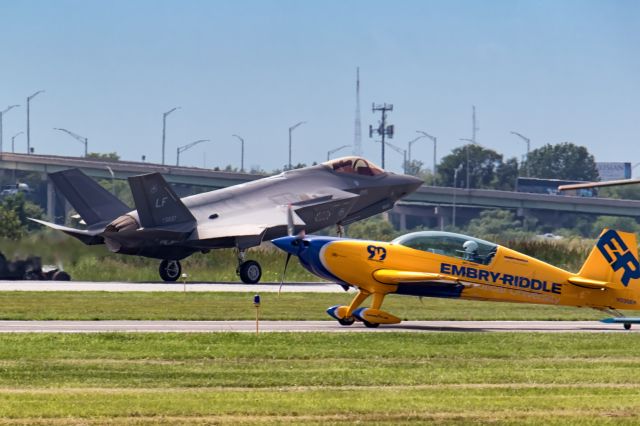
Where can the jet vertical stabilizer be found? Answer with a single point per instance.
(94, 204)
(156, 202)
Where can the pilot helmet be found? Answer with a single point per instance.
(470, 246)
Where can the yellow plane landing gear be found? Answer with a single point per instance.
(371, 317)
(340, 313)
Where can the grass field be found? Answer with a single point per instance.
(71, 305)
(96, 263)
(315, 378)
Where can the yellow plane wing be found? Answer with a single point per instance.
(392, 276)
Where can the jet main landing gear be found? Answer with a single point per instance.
(249, 271)
(170, 270)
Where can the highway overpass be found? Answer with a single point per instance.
(428, 200)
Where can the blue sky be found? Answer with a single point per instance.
(552, 70)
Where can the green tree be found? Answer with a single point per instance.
(506, 175)
(622, 192)
(120, 188)
(627, 224)
(373, 228)
(562, 161)
(10, 226)
(493, 224)
(108, 156)
(486, 168)
(14, 213)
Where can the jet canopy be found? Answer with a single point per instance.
(450, 244)
(354, 166)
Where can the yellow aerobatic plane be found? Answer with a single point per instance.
(448, 265)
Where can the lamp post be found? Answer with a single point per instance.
(164, 129)
(333, 151)
(13, 139)
(435, 148)
(29, 119)
(77, 137)
(466, 148)
(400, 151)
(186, 147)
(2, 113)
(113, 182)
(241, 152)
(528, 142)
(455, 186)
(410, 144)
(291, 129)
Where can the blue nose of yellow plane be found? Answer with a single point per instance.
(289, 244)
(309, 251)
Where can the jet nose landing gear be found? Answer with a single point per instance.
(249, 271)
(170, 270)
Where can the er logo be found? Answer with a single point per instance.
(616, 252)
(377, 253)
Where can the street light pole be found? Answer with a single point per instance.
(400, 151)
(2, 113)
(528, 142)
(455, 185)
(332, 151)
(291, 129)
(435, 148)
(113, 182)
(411, 142)
(241, 152)
(13, 139)
(186, 147)
(29, 119)
(164, 129)
(466, 148)
(77, 137)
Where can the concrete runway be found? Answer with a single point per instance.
(304, 326)
(315, 287)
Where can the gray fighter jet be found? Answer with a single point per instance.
(169, 228)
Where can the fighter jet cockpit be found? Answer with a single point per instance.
(354, 166)
(450, 244)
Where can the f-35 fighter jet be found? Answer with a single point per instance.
(170, 228)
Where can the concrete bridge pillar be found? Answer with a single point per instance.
(51, 201)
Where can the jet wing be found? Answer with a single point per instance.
(392, 276)
(249, 225)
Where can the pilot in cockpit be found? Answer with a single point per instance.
(471, 251)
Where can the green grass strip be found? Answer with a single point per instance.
(319, 378)
(62, 305)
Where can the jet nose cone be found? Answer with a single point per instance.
(402, 185)
(288, 244)
(412, 183)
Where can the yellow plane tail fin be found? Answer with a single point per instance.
(614, 260)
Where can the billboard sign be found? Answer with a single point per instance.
(614, 171)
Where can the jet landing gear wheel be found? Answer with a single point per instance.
(250, 272)
(627, 326)
(170, 270)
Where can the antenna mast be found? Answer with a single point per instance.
(357, 137)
